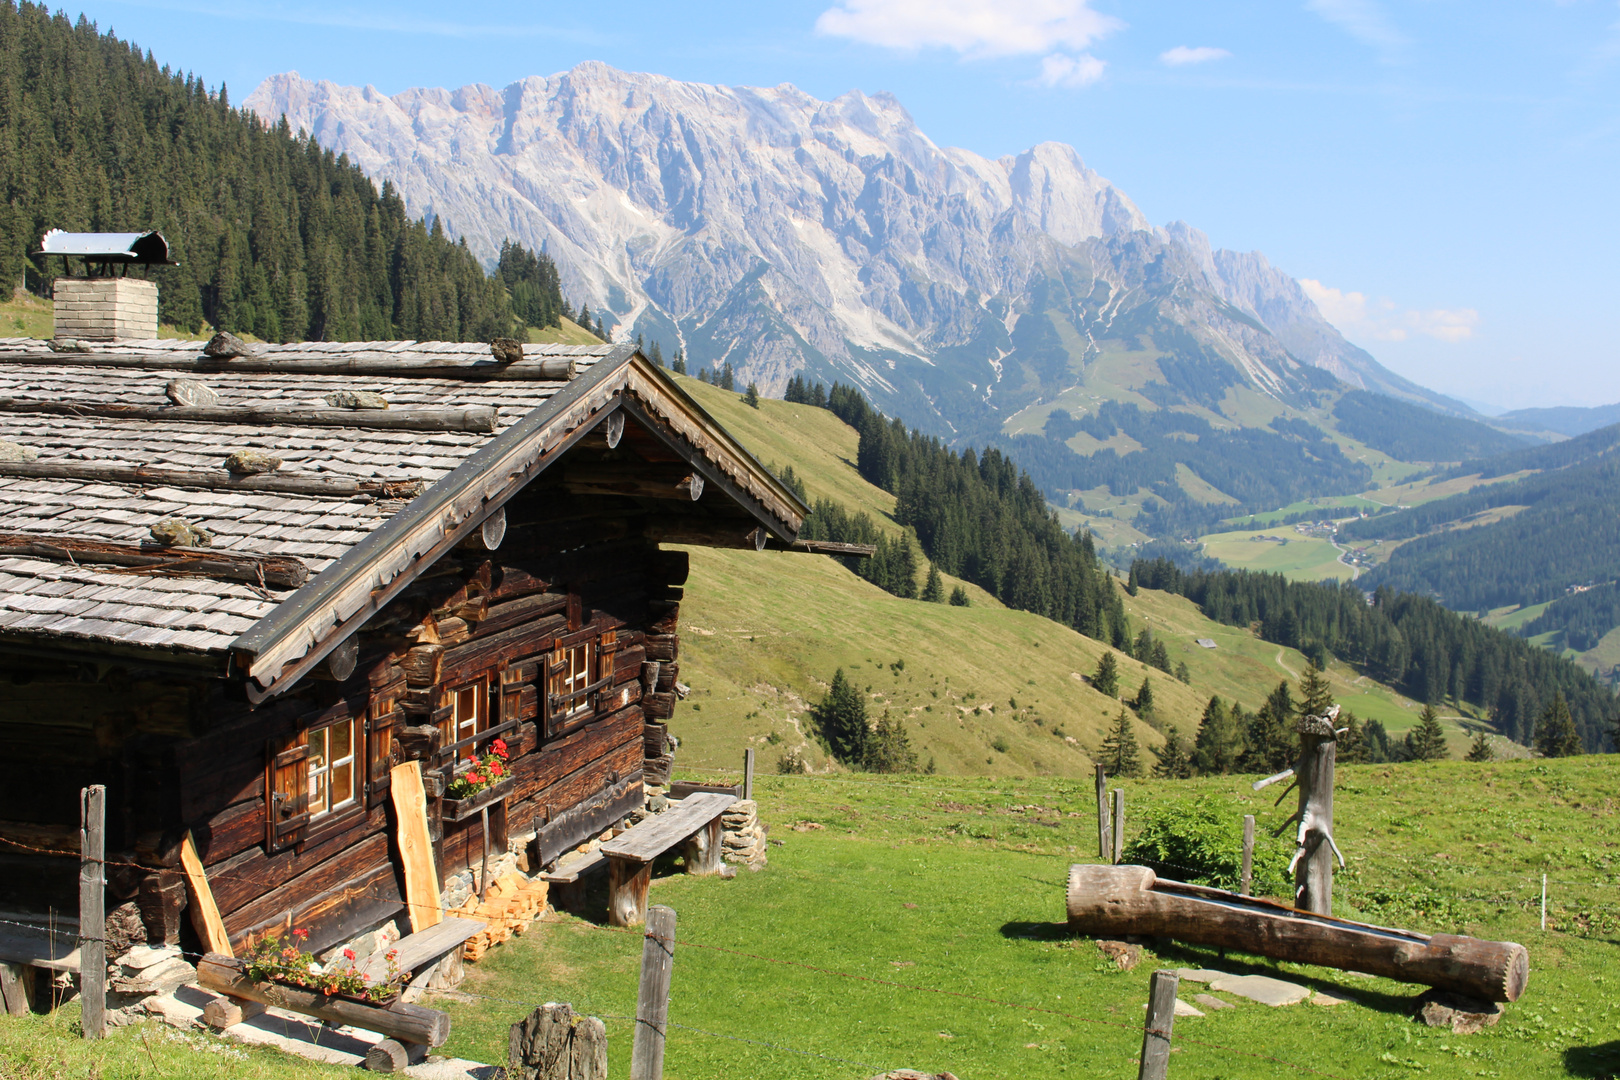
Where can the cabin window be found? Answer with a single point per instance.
(332, 773)
(576, 673)
(469, 717)
(576, 678)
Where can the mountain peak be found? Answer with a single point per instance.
(783, 233)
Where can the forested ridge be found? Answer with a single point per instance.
(1567, 534)
(1410, 432)
(979, 517)
(1407, 641)
(275, 236)
(1262, 468)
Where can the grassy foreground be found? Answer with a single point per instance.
(918, 922)
(935, 909)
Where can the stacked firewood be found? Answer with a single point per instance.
(507, 907)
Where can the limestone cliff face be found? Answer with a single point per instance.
(782, 233)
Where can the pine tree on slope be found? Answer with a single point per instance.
(1481, 750)
(1121, 756)
(1106, 678)
(1173, 761)
(1555, 732)
(934, 589)
(1426, 742)
(841, 720)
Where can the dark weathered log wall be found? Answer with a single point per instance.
(179, 752)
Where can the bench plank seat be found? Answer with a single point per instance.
(656, 835)
(575, 865)
(422, 947)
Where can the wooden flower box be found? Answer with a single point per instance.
(461, 809)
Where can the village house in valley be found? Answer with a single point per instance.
(239, 590)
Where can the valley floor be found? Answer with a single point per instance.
(918, 922)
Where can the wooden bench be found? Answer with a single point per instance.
(567, 878)
(421, 948)
(694, 822)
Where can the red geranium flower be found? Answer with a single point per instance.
(500, 746)
(348, 954)
(496, 770)
(300, 933)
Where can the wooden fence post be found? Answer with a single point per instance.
(1315, 850)
(1248, 855)
(1119, 823)
(748, 773)
(1104, 852)
(652, 1004)
(1161, 1017)
(92, 918)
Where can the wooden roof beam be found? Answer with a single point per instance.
(477, 418)
(404, 365)
(212, 479)
(270, 571)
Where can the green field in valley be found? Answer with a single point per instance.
(1279, 550)
(918, 922)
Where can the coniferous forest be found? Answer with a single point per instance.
(978, 517)
(1410, 642)
(275, 237)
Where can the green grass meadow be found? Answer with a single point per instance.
(922, 926)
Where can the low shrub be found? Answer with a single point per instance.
(1200, 841)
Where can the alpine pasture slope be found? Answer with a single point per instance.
(763, 633)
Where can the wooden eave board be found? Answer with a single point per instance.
(660, 832)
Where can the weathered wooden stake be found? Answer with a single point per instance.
(16, 987)
(552, 1043)
(1248, 855)
(748, 774)
(483, 868)
(92, 919)
(652, 1005)
(1315, 849)
(1544, 901)
(1161, 1017)
(1104, 845)
(1119, 823)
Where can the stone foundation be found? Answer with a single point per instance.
(744, 840)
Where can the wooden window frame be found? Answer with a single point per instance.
(571, 697)
(289, 819)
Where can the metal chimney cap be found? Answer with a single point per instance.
(142, 248)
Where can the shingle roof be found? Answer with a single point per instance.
(39, 597)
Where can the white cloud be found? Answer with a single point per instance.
(1182, 55)
(1363, 20)
(1070, 71)
(971, 27)
(1384, 320)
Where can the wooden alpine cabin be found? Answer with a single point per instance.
(238, 585)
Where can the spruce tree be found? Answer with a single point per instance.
(1182, 674)
(1555, 732)
(751, 396)
(1426, 742)
(959, 597)
(728, 377)
(1106, 678)
(1480, 749)
(934, 590)
(1315, 695)
(1353, 743)
(1271, 743)
(1161, 657)
(841, 720)
(888, 750)
(1144, 696)
(1219, 744)
(1174, 764)
(1120, 754)
(678, 365)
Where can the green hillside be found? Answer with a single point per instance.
(762, 634)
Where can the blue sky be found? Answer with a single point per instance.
(1442, 172)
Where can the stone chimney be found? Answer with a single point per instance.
(106, 308)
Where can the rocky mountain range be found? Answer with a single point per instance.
(783, 234)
